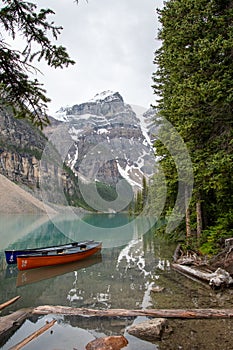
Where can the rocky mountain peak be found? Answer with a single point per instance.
(106, 105)
(106, 121)
(107, 96)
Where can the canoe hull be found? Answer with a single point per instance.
(25, 262)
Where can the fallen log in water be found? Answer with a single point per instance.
(215, 279)
(9, 302)
(9, 323)
(33, 336)
(204, 276)
(166, 313)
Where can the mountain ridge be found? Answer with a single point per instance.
(126, 130)
(108, 141)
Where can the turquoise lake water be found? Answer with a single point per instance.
(132, 262)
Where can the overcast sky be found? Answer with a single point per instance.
(113, 44)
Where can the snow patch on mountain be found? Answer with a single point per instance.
(105, 95)
(127, 175)
(61, 114)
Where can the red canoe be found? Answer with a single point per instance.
(31, 261)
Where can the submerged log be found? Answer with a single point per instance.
(164, 313)
(9, 302)
(33, 336)
(215, 279)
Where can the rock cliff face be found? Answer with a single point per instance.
(110, 139)
(21, 148)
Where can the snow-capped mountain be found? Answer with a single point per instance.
(110, 139)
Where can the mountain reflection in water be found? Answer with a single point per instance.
(122, 276)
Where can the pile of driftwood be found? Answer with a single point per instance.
(195, 266)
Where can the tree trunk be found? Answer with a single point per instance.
(177, 253)
(187, 220)
(187, 217)
(199, 219)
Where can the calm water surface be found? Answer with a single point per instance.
(123, 275)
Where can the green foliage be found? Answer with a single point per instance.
(144, 191)
(74, 197)
(107, 192)
(195, 88)
(165, 180)
(24, 96)
(140, 201)
(176, 235)
(130, 209)
(212, 239)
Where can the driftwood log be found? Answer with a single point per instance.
(32, 336)
(9, 302)
(166, 313)
(215, 279)
(9, 323)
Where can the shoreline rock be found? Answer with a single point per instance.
(149, 330)
(116, 342)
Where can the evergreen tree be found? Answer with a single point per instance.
(25, 96)
(195, 88)
(138, 203)
(144, 191)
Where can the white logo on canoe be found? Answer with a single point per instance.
(24, 263)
